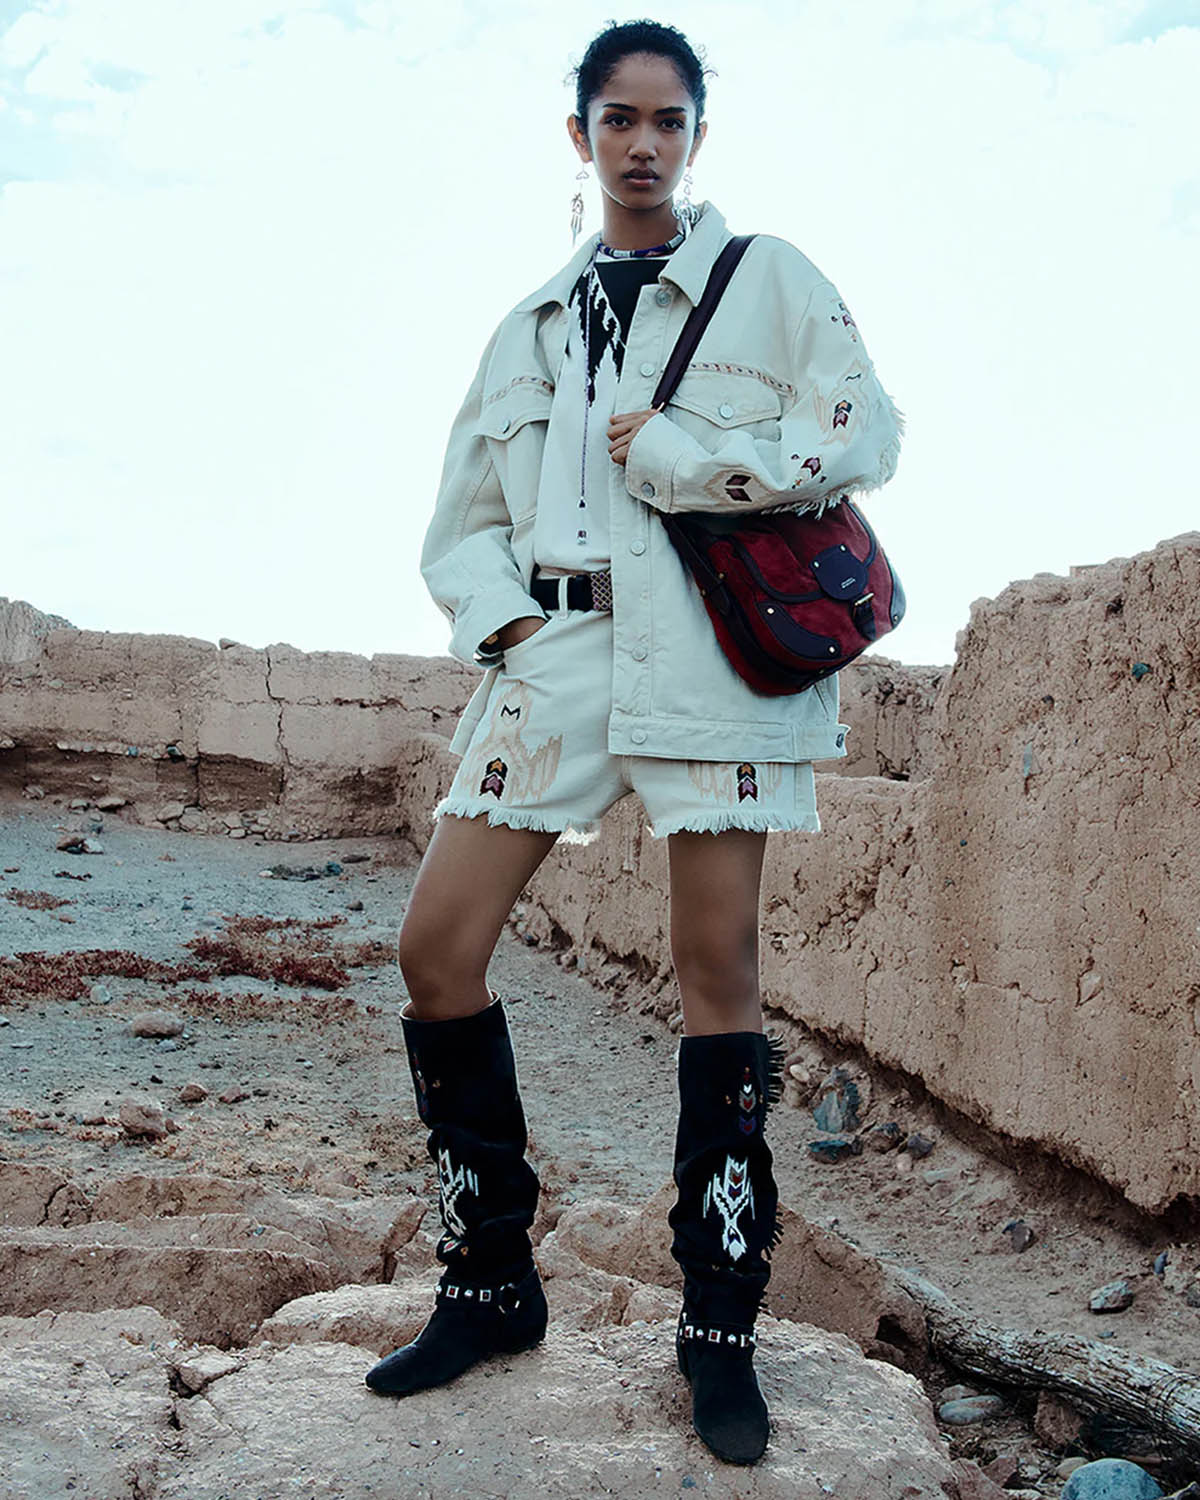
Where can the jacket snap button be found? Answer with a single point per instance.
(725, 409)
(638, 547)
(638, 736)
(662, 296)
(841, 739)
(647, 489)
(639, 653)
(647, 368)
(506, 424)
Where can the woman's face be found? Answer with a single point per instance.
(641, 131)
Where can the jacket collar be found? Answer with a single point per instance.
(688, 267)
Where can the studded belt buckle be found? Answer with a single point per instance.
(601, 585)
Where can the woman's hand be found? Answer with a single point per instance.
(519, 630)
(623, 428)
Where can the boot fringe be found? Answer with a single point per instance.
(776, 1052)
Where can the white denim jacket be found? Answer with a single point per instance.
(780, 406)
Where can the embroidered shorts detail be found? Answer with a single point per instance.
(539, 756)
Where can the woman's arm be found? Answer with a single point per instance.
(841, 435)
(466, 560)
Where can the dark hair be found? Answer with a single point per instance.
(615, 42)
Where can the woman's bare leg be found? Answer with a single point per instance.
(470, 876)
(715, 880)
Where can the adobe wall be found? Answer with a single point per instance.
(1003, 899)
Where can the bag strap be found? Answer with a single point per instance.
(698, 319)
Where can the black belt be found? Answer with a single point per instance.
(584, 590)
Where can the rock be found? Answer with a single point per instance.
(1191, 1294)
(71, 843)
(958, 1392)
(1056, 1422)
(202, 1369)
(1069, 1465)
(358, 906)
(111, 802)
(234, 1094)
(971, 1409)
(1019, 1234)
(237, 833)
(168, 811)
(973, 1483)
(1113, 1296)
(156, 1023)
(194, 820)
(918, 1145)
(839, 1102)
(903, 1164)
(142, 1120)
(35, 793)
(91, 846)
(100, 994)
(192, 1093)
(835, 1148)
(79, 804)
(885, 1137)
(1111, 1479)
(1003, 1467)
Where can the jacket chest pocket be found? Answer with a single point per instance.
(720, 399)
(514, 421)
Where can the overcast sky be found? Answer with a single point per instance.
(250, 253)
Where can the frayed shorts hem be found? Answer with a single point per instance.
(572, 831)
(718, 822)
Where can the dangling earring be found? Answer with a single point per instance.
(577, 205)
(686, 211)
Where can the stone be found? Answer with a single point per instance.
(169, 811)
(838, 1106)
(143, 1120)
(1112, 1297)
(972, 1409)
(1019, 1234)
(918, 1145)
(156, 1023)
(1056, 1422)
(884, 1137)
(192, 1093)
(835, 1148)
(1111, 1479)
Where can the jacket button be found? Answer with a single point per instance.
(647, 489)
(662, 296)
(841, 739)
(638, 736)
(647, 368)
(638, 547)
(639, 654)
(726, 410)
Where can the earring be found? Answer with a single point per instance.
(686, 211)
(577, 206)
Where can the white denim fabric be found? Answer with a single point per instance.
(539, 757)
(779, 408)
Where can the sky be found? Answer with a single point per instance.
(250, 254)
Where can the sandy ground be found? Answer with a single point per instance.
(328, 1096)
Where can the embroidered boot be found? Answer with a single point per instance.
(725, 1222)
(489, 1298)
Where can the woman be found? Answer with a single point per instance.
(603, 677)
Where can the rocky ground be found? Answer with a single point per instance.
(206, 1122)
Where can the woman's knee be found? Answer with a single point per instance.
(437, 954)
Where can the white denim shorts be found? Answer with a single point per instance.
(539, 756)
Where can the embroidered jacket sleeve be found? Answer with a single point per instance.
(842, 434)
(467, 560)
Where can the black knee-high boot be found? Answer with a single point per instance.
(489, 1298)
(725, 1222)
